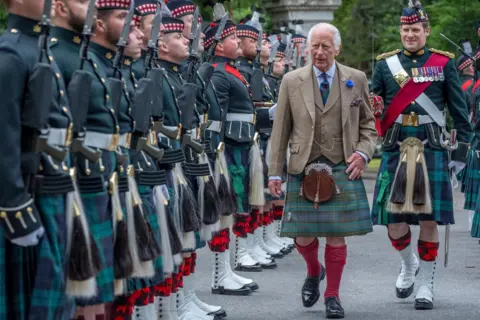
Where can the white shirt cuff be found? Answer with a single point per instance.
(364, 156)
(274, 178)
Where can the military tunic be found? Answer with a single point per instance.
(23, 293)
(232, 101)
(93, 177)
(274, 83)
(442, 93)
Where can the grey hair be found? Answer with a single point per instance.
(337, 38)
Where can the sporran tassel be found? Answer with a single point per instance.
(226, 195)
(256, 196)
(419, 184)
(400, 184)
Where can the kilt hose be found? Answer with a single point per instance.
(237, 157)
(34, 278)
(134, 284)
(440, 185)
(346, 214)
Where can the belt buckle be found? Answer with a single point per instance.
(410, 120)
(114, 142)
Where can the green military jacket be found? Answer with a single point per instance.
(18, 55)
(476, 111)
(246, 66)
(274, 83)
(467, 83)
(444, 94)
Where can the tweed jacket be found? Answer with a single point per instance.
(295, 116)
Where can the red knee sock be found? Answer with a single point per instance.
(428, 251)
(403, 242)
(335, 259)
(310, 255)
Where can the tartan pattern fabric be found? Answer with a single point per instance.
(99, 215)
(346, 214)
(440, 186)
(230, 29)
(112, 4)
(34, 284)
(220, 241)
(324, 88)
(475, 232)
(471, 180)
(428, 251)
(403, 242)
(239, 170)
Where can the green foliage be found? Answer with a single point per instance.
(371, 27)
(3, 18)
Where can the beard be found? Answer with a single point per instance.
(76, 22)
(112, 36)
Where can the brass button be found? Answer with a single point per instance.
(107, 97)
(62, 93)
(102, 168)
(136, 85)
(57, 75)
(103, 80)
(14, 31)
(65, 168)
(414, 61)
(29, 210)
(50, 58)
(65, 109)
(413, 102)
(95, 65)
(113, 111)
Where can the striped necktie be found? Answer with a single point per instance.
(324, 88)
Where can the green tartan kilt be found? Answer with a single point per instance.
(33, 278)
(475, 232)
(134, 284)
(471, 181)
(440, 185)
(237, 157)
(99, 215)
(346, 214)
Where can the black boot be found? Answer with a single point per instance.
(333, 308)
(311, 291)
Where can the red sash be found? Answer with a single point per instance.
(237, 74)
(476, 85)
(466, 84)
(409, 92)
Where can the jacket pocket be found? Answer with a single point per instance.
(391, 138)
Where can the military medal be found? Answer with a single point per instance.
(421, 78)
(430, 74)
(442, 76)
(435, 73)
(415, 75)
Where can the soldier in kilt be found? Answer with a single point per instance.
(35, 179)
(224, 280)
(252, 255)
(417, 191)
(324, 113)
(274, 79)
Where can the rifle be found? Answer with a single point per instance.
(79, 92)
(288, 57)
(38, 97)
(303, 54)
(193, 31)
(273, 55)
(256, 82)
(295, 58)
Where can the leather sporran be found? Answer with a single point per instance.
(318, 185)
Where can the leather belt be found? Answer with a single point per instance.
(125, 140)
(123, 183)
(413, 120)
(106, 141)
(171, 156)
(58, 184)
(244, 117)
(151, 178)
(214, 125)
(196, 169)
(59, 137)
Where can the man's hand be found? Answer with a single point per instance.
(275, 186)
(356, 165)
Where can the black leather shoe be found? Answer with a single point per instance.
(277, 255)
(217, 315)
(271, 265)
(253, 268)
(252, 286)
(243, 291)
(423, 304)
(311, 291)
(333, 308)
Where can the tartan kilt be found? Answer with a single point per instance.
(134, 284)
(471, 181)
(35, 278)
(440, 185)
(99, 215)
(237, 157)
(475, 232)
(346, 214)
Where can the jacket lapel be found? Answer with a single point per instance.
(305, 86)
(344, 75)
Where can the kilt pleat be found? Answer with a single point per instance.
(239, 169)
(34, 287)
(471, 181)
(440, 185)
(99, 216)
(346, 214)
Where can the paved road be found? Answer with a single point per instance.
(368, 284)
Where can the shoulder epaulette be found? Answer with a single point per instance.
(444, 53)
(388, 54)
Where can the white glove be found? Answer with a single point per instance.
(271, 112)
(30, 239)
(457, 166)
